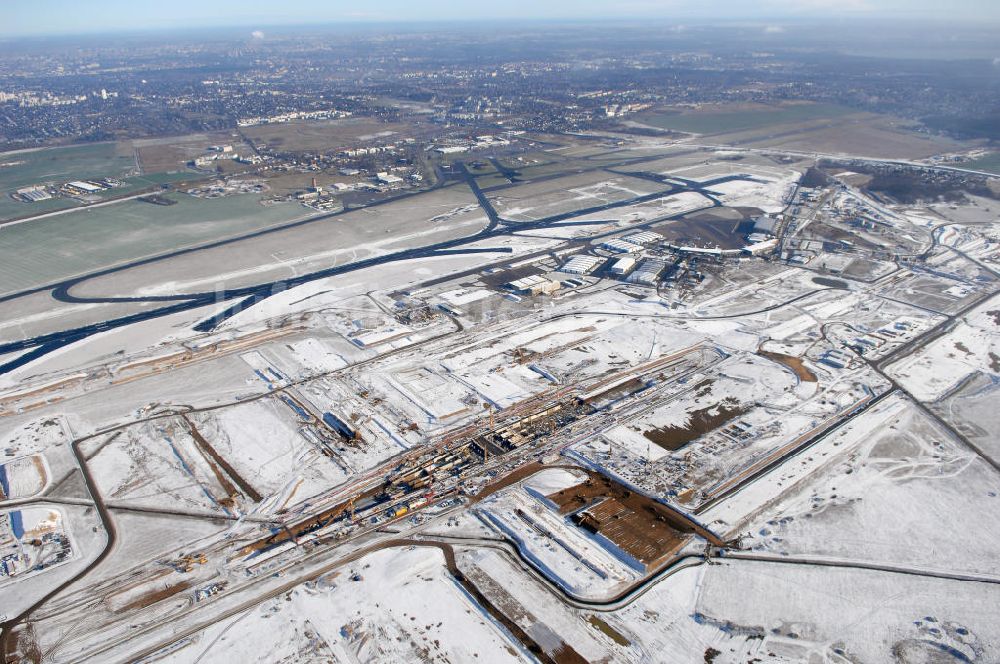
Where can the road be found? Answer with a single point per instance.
(856, 564)
(498, 227)
(248, 296)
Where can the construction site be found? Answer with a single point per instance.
(586, 403)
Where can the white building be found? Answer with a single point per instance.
(388, 178)
(581, 264)
(648, 272)
(646, 237)
(623, 266)
(621, 246)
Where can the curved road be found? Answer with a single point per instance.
(248, 296)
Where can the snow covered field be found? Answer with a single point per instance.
(396, 605)
(23, 477)
(803, 613)
(904, 494)
(973, 346)
(252, 480)
(261, 440)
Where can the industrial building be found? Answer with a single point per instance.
(646, 237)
(648, 271)
(534, 285)
(388, 178)
(33, 194)
(765, 224)
(623, 266)
(581, 264)
(87, 187)
(621, 246)
(759, 248)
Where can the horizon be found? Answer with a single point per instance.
(60, 18)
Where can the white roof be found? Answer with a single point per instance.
(581, 264)
(762, 246)
(527, 282)
(648, 271)
(621, 246)
(86, 186)
(765, 224)
(623, 263)
(646, 237)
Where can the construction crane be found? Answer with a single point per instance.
(489, 408)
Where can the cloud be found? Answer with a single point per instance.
(774, 29)
(257, 34)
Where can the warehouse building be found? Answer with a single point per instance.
(623, 266)
(646, 237)
(534, 285)
(621, 246)
(581, 264)
(648, 271)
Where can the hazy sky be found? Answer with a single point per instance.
(33, 17)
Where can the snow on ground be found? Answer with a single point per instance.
(577, 348)
(436, 393)
(112, 346)
(770, 196)
(552, 480)
(735, 333)
(34, 436)
(817, 614)
(972, 411)
(941, 365)
(265, 446)
(395, 605)
(394, 275)
(87, 536)
(316, 355)
(729, 517)
(535, 200)
(145, 537)
(640, 213)
(22, 477)
(153, 464)
(740, 611)
(464, 524)
(494, 388)
(755, 296)
(38, 456)
(705, 171)
(565, 554)
(904, 494)
(460, 296)
(765, 413)
(537, 610)
(311, 259)
(566, 231)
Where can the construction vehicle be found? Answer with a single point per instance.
(187, 562)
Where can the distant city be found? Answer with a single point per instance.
(537, 79)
